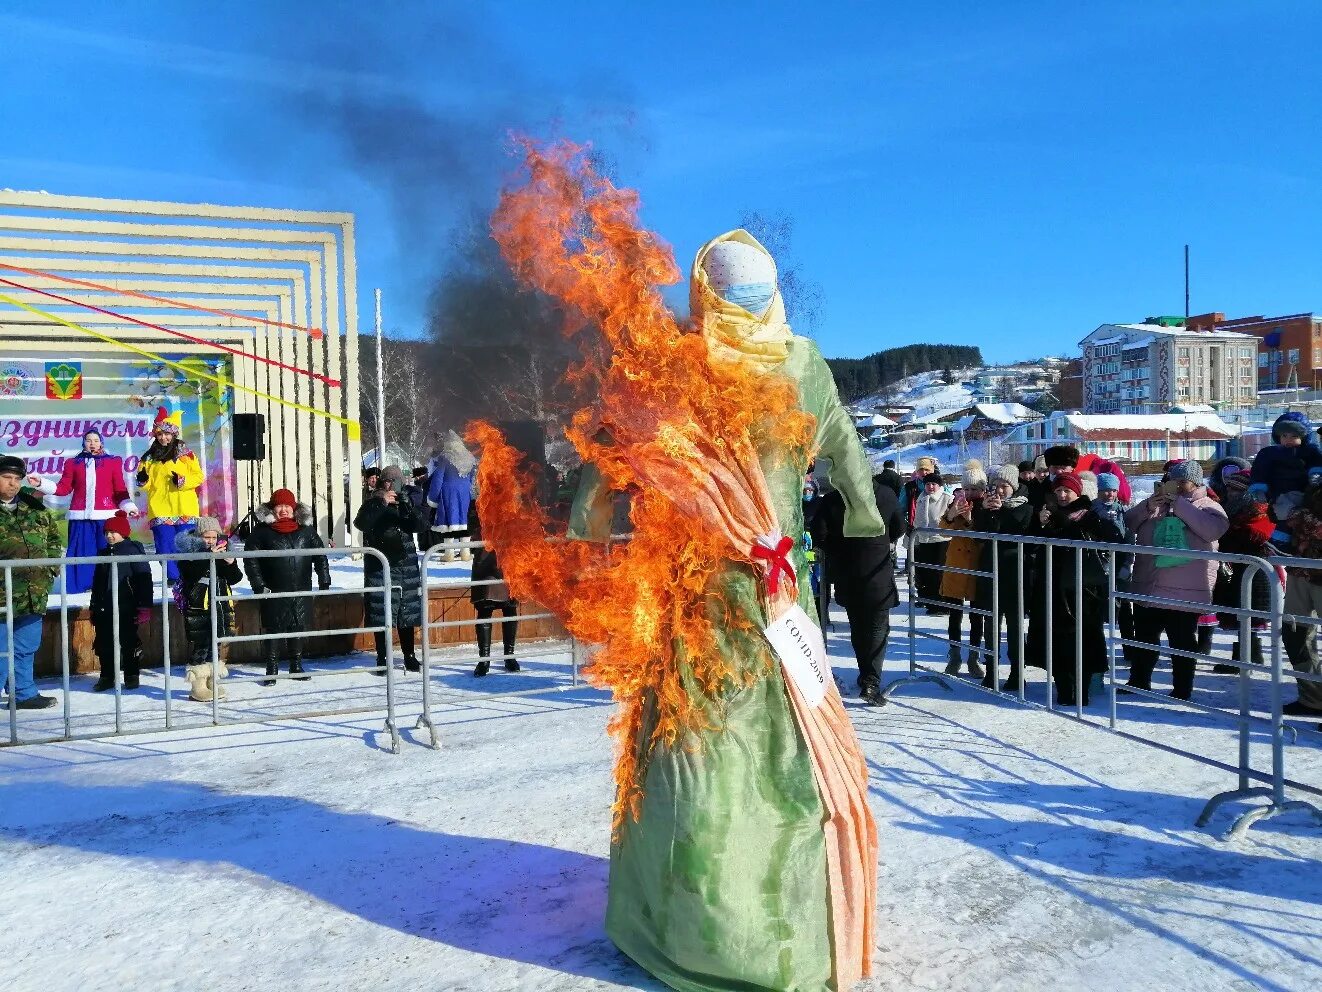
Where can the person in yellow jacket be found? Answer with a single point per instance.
(170, 475)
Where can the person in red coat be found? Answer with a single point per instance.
(93, 490)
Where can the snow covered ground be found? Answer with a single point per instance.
(1020, 850)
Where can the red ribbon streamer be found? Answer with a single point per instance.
(88, 284)
(778, 558)
(179, 334)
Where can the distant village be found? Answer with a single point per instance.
(1139, 393)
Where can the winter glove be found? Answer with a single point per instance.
(142, 476)
(144, 615)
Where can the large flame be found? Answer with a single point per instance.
(668, 422)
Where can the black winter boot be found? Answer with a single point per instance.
(296, 669)
(1224, 669)
(1182, 671)
(1205, 639)
(271, 655)
(509, 634)
(483, 649)
(1256, 651)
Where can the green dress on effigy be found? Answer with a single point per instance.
(722, 882)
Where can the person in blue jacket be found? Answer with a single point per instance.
(449, 493)
(1282, 467)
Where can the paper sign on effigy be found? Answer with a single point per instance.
(802, 652)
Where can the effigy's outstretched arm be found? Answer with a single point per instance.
(837, 441)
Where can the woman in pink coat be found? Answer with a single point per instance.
(92, 488)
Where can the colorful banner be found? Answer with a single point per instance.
(47, 403)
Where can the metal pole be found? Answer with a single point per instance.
(427, 718)
(13, 674)
(64, 654)
(1049, 632)
(1110, 636)
(388, 635)
(1186, 286)
(114, 633)
(1278, 732)
(1021, 622)
(165, 644)
(380, 392)
(1078, 633)
(993, 623)
(215, 645)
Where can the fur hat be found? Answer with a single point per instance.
(204, 524)
(1107, 483)
(1187, 471)
(1293, 423)
(1089, 482)
(934, 477)
(1006, 473)
(925, 464)
(283, 497)
(1025, 466)
(118, 524)
(1061, 456)
(974, 475)
(394, 475)
(13, 465)
(1070, 481)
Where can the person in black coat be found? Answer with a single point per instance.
(891, 478)
(389, 522)
(862, 572)
(197, 596)
(1004, 510)
(489, 594)
(1070, 517)
(286, 525)
(135, 599)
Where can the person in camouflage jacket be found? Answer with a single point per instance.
(27, 530)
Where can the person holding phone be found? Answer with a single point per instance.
(389, 524)
(195, 598)
(963, 553)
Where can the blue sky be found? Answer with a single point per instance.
(1002, 174)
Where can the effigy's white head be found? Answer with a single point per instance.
(741, 274)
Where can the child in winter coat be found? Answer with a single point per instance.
(963, 553)
(194, 597)
(1250, 533)
(929, 549)
(135, 598)
(1282, 467)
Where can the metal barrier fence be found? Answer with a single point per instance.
(1034, 561)
(429, 626)
(218, 667)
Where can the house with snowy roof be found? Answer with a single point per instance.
(1127, 438)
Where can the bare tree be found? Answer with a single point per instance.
(414, 409)
(804, 299)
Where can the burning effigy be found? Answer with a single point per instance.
(744, 854)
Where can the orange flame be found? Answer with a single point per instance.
(669, 423)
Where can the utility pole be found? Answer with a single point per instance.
(1186, 285)
(380, 393)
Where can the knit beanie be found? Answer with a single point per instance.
(1039, 464)
(1107, 483)
(283, 497)
(118, 524)
(1236, 486)
(1187, 471)
(1070, 481)
(1061, 456)
(1006, 473)
(204, 524)
(1089, 482)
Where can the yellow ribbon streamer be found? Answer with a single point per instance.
(351, 426)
